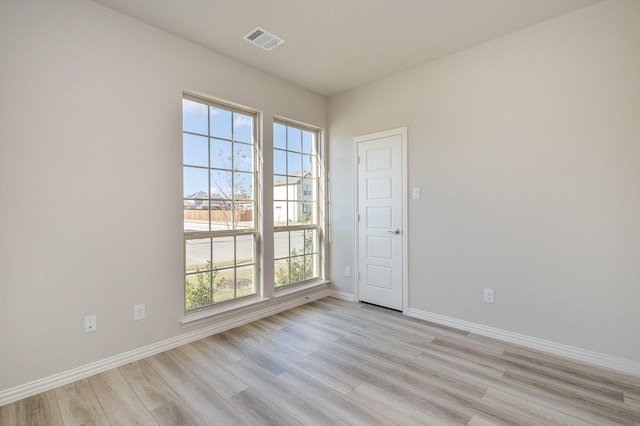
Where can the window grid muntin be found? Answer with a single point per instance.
(312, 253)
(285, 202)
(232, 201)
(235, 232)
(231, 266)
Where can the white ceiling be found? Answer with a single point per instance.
(335, 45)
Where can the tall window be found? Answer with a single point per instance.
(295, 204)
(220, 227)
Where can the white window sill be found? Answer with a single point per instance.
(234, 308)
(293, 289)
(196, 318)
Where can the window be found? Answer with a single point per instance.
(296, 206)
(220, 229)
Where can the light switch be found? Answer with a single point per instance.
(416, 193)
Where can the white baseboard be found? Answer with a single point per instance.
(341, 295)
(42, 385)
(571, 352)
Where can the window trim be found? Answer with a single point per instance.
(320, 203)
(215, 308)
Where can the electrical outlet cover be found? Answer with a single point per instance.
(489, 295)
(138, 312)
(90, 323)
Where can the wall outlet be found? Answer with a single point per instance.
(138, 312)
(347, 271)
(488, 295)
(90, 323)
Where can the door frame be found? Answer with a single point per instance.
(402, 132)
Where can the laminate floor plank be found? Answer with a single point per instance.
(172, 371)
(225, 343)
(350, 306)
(411, 325)
(147, 384)
(326, 375)
(273, 324)
(463, 344)
(535, 396)
(269, 360)
(78, 403)
(388, 325)
(341, 319)
(176, 413)
(279, 319)
(479, 421)
(291, 402)
(467, 362)
(329, 303)
(469, 354)
(602, 375)
(411, 340)
(394, 410)
(380, 347)
(296, 332)
(554, 400)
(213, 349)
(8, 415)
(389, 346)
(281, 345)
(434, 402)
(247, 331)
(120, 403)
(311, 324)
(208, 371)
(534, 412)
(344, 408)
(41, 409)
(454, 369)
(632, 400)
(285, 340)
(319, 305)
(209, 405)
(335, 362)
(559, 384)
(305, 336)
(611, 409)
(422, 378)
(258, 327)
(517, 364)
(260, 411)
(411, 367)
(359, 356)
(465, 401)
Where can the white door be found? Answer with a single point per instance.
(381, 218)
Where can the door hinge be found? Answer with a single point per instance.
(358, 218)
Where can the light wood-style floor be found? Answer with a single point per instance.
(332, 363)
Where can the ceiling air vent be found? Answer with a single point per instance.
(263, 38)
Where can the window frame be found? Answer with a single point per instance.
(318, 203)
(234, 232)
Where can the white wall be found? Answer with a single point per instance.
(526, 149)
(91, 177)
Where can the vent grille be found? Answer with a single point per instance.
(263, 39)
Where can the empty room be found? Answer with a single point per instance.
(336, 212)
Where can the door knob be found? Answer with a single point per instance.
(397, 231)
